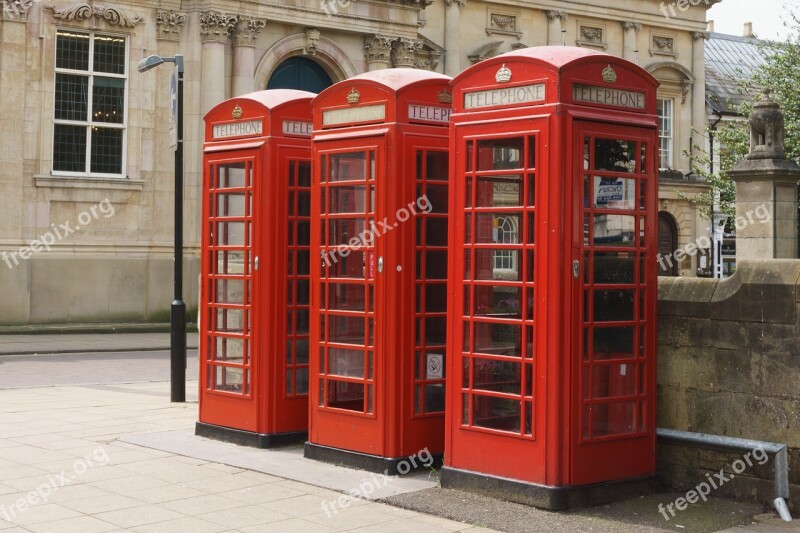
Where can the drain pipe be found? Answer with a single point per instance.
(733, 444)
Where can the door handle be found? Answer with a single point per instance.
(576, 269)
(255, 264)
(380, 264)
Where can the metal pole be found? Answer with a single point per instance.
(178, 309)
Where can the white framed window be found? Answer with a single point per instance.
(666, 134)
(505, 232)
(90, 110)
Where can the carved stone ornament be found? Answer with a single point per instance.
(766, 130)
(216, 26)
(662, 45)
(169, 24)
(81, 12)
(629, 25)
(378, 48)
(16, 10)
(404, 52)
(553, 15)
(246, 31)
(459, 3)
(312, 39)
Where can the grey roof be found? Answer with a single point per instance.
(729, 59)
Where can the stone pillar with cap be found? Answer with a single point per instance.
(555, 22)
(766, 189)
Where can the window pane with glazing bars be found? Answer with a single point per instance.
(106, 150)
(71, 96)
(72, 50)
(109, 54)
(69, 148)
(108, 100)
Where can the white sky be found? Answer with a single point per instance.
(767, 16)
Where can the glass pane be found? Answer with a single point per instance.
(231, 175)
(72, 94)
(614, 230)
(614, 305)
(350, 266)
(435, 298)
(107, 150)
(435, 330)
(229, 349)
(109, 54)
(498, 154)
(613, 343)
(230, 205)
(497, 265)
(303, 203)
(347, 199)
(498, 376)
(230, 291)
(436, 231)
(230, 233)
(69, 148)
(231, 262)
(613, 267)
(613, 418)
(289, 381)
(346, 329)
(614, 155)
(301, 378)
(348, 166)
(495, 413)
(437, 165)
(437, 198)
(72, 50)
(498, 302)
(497, 339)
(499, 228)
(228, 379)
(500, 191)
(346, 363)
(346, 296)
(230, 320)
(434, 398)
(436, 264)
(346, 395)
(614, 193)
(108, 100)
(341, 230)
(609, 381)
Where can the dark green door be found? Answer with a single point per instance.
(300, 73)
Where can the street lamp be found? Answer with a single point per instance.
(178, 309)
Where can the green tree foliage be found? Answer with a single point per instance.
(781, 75)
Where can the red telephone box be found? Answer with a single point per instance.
(255, 269)
(553, 241)
(379, 285)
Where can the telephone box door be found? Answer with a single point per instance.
(229, 370)
(346, 291)
(614, 295)
(292, 371)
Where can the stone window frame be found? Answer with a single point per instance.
(61, 175)
(491, 25)
(675, 99)
(584, 24)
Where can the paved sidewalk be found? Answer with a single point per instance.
(87, 342)
(63, 468)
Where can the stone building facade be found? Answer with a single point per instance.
(86, 169)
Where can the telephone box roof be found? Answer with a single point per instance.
(272, 98)
(393, 79)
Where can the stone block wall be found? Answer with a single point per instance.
(729, 364)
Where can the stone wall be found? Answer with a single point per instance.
(729, 364)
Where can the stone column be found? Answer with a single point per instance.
(244, 55)
(555, 20)
(629, 31)
(699, 119)
(404, 52)
(452, 36)
(215, 28)
(766, 190)
(377, 51)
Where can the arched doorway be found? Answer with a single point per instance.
(299, 73)
(667, 244)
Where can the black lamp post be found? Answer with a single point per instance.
(178, 308)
